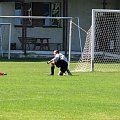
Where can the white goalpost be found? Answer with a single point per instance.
(2, 37)
(101, 51)
(84, 62)
(18, 32)
(101, 48)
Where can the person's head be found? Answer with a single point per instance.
(56, 52)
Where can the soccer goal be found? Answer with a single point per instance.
(39, 35)
(101, 51)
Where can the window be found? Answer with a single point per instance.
(47, 9)
(19, 12)
(55, 12)
(40, 9)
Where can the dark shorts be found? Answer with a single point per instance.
(63, 65)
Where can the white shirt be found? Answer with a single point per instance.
(59, 56)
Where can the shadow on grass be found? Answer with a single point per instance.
(24, 59)
(28, 59)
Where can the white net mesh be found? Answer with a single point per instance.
(106, 43)
(84, 62)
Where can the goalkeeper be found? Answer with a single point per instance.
(61, 62)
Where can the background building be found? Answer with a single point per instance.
(56, 30)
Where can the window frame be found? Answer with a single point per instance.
(21, 20)
(51, 22)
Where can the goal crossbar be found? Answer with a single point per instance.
(36, 17)
(43, 17)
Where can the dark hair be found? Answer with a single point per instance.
(56, 51)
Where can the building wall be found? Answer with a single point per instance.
(76, 8)
(83, 10)
(6, 9)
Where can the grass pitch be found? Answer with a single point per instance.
(28, 93)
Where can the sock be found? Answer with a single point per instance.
(52, 70)
(68, 71)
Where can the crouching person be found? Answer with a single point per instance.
(59, 61)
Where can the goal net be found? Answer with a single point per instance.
(84, 63)
(102, 46)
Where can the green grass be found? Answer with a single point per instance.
(28, 93)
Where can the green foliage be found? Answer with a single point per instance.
(28, 93)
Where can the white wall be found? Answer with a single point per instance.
(83, 10)
(6, 9)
